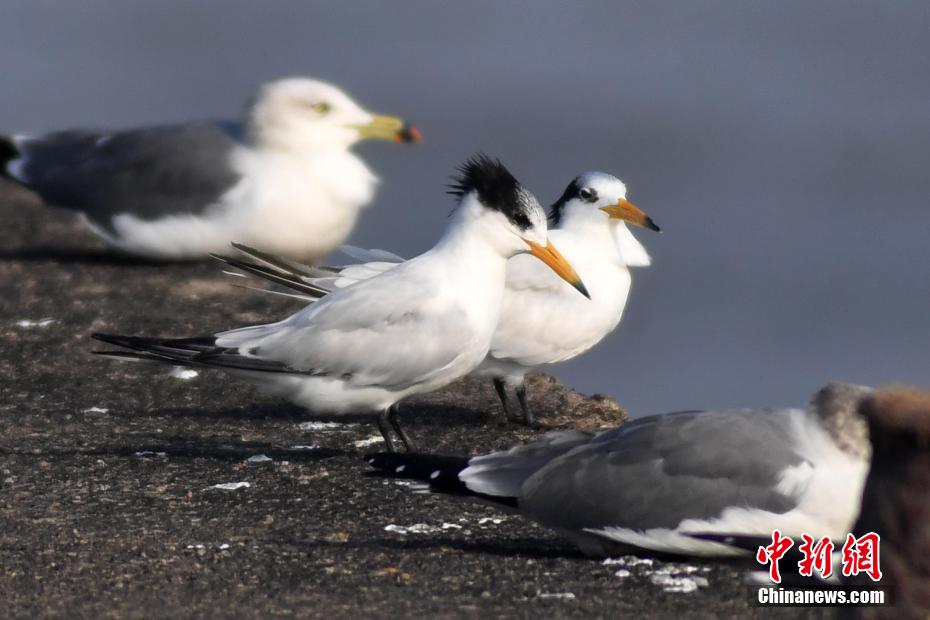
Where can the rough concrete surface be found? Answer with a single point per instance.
(107, 469)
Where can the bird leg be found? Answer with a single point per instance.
(528, 417)
(384, 425)
(395, 423)
(501, 387)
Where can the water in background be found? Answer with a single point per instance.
(784, 147)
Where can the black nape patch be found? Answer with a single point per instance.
(497, 189)
(571, 192)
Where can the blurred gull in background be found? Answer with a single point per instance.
(285, 179)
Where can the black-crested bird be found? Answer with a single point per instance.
(411, 330)
(543, 321)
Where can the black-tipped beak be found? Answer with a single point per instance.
(581, 288)
(388, 128)
(628, 212)
(551, 257)
(409, 134)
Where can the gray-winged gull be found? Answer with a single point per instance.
(285, 179)
(410, 330)
(543, 320)
(669, 482)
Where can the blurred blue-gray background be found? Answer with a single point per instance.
(784, 147)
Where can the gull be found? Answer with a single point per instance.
(285, 179)
(684, 483)
(410, 330)
(589, 227)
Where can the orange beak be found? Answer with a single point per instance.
(559, 265)
(628, 212)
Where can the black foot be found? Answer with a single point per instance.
(384, 425)
(395, 423)
(501, 388)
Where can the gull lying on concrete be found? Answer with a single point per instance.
(683, 483)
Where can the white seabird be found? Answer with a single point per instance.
(285, 179)
(410, 330)
(543, 321)
(682, 483)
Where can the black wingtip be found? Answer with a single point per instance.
(115, 339)
(8, 152)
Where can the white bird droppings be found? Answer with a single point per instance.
(671, 577)
(95, 410)
(32, 324)
(560, 596)
(302, 447)
(183, 374)
(671, 583)
(416, 528)
(230, 486)
(325, 426)
(364, 443)
(258, 458)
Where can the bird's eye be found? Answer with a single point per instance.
(321, 107)
(587, 194)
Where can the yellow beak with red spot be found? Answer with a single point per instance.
(628, 212)
(559, 265)
(388, 128)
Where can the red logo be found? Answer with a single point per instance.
(817, 557)
(773, 553)
(860, 555)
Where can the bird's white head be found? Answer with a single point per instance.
(507, 215)
(596, 201)
(301, 113)
(592, 195)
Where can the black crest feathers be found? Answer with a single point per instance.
(497, 189)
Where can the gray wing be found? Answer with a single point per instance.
(657, 471)
(151, 173)
(392, 331)
(502, 474)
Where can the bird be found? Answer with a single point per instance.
(410, 330)
(587, 223)
(895, 503)
(685, 483)
(284, 179)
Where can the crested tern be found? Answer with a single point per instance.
(588, 224)
(413, 329)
